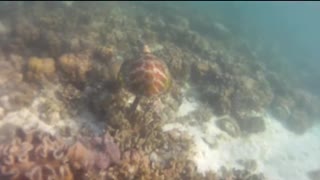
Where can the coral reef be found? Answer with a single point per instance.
(75, 51)
(295, 108)
(75, 66)
(105, 53)
(230, 126)
(40, 68)
(236, 174)
(250, 124)
(14, 93)
(36, 154)
(137, 165)
(251, 95)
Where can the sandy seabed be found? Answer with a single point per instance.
(279, 153)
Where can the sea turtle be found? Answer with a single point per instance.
(148, 76)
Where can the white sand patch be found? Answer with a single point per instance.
(26, 119)
(280, 154)
(30, 117)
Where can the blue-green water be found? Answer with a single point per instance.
(292, 27)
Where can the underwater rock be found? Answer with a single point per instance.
(299, 121)
(218, 97)
(298, 111)
(251, 95)
(278, 84)
(40, 68)
(251, 124)
(307, 102)
(215, 88)
(281, 108)
(230, 126)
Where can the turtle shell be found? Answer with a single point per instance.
(147, 76)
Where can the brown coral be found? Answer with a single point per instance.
(40, 68)
(81, 158)
(76, 66)
(105, 53)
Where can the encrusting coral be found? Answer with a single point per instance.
(36, 154)
(41, 68)
(75, 66)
